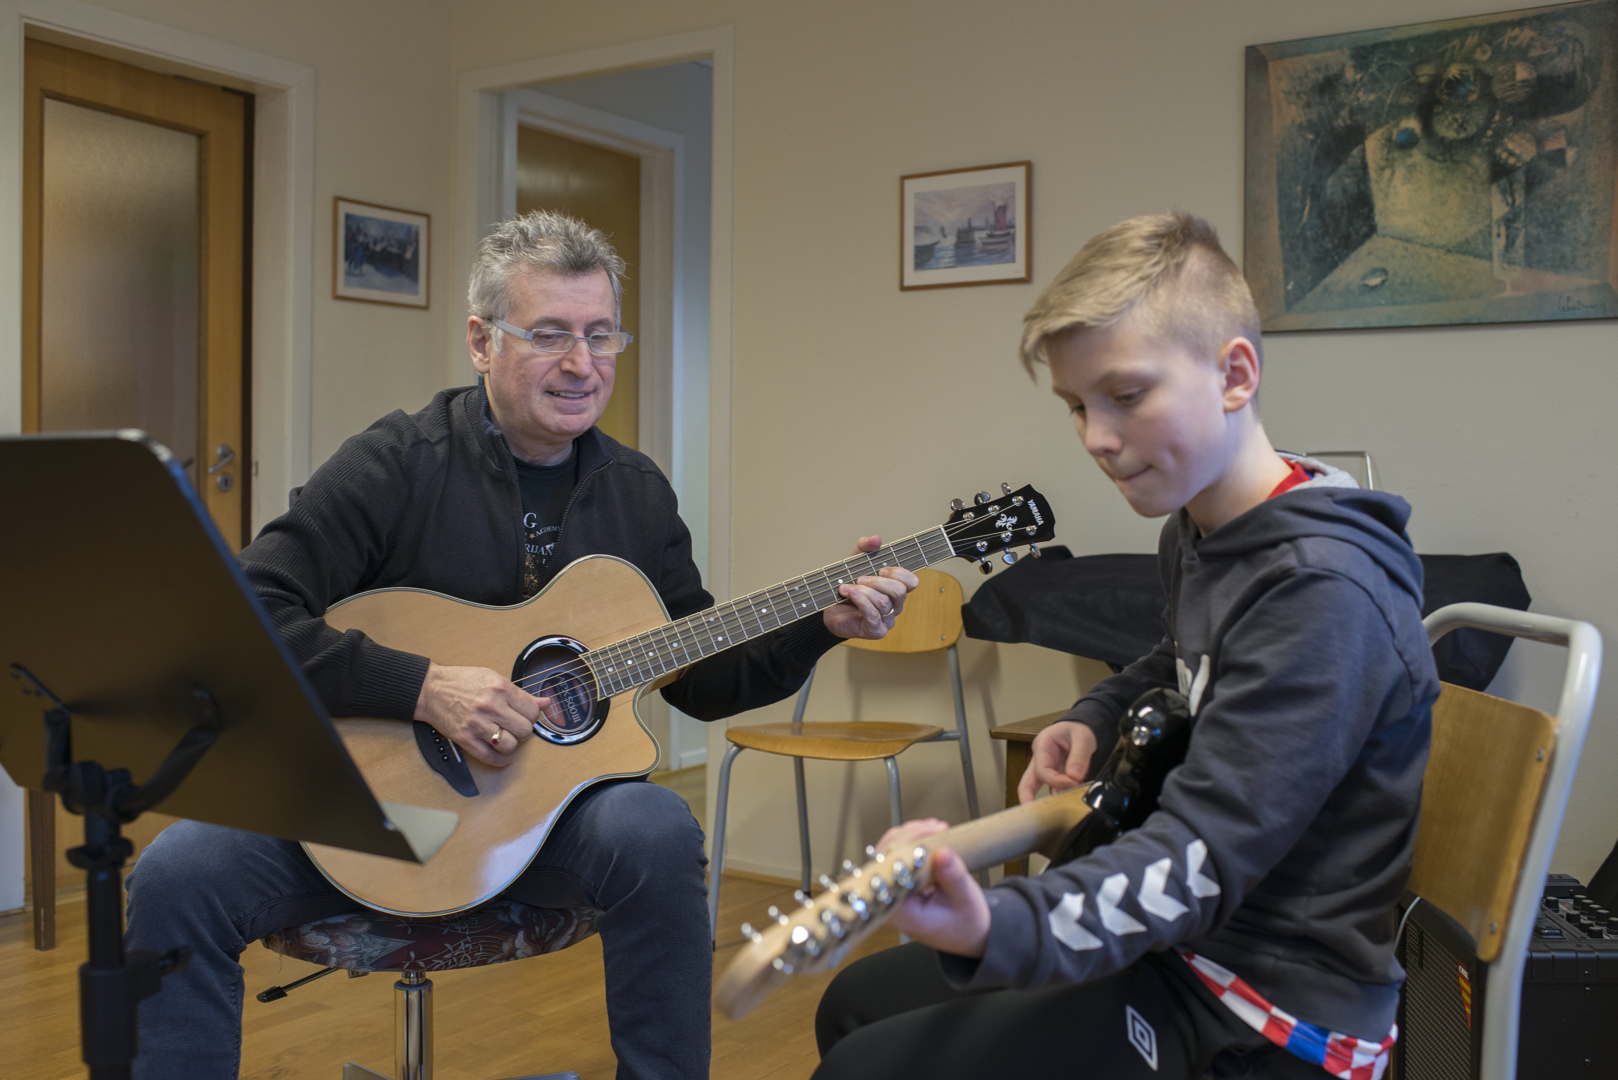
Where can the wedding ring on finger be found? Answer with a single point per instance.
(494, 740)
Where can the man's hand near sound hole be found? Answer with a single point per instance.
(479, 710)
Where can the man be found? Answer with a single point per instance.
(484, 495)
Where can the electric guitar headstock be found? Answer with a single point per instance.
(998, 523)
(821, 930)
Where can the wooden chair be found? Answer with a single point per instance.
(931, 622)
(363, 941)
(1495, 791)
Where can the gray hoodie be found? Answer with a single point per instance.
(1282, 842)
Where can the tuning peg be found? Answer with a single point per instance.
(870, 851)
(827, 883)
(1009, 557)
(1033, 551)
(956, 504)
(981, 497)
(983, 565)
(1005, 488)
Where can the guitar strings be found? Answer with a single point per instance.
(572, 675)
(575, 673)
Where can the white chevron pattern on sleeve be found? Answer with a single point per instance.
(1064, 920)
(1152, 897)
(1119, 922)
(1196, 853)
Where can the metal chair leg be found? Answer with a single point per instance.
(803, 819)
(718, 863)
(895, 807)
(960, 729)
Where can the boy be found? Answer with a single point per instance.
(1246, 928)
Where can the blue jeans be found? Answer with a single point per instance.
(631, 850)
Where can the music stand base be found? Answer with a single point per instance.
(113, 984)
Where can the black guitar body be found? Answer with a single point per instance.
(1152, 740)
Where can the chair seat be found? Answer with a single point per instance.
(857, 741)
(492, 933)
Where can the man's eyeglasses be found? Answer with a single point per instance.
(548, 339)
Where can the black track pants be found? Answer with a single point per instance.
(892, 1014)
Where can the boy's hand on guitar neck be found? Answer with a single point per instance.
(951, 914)
(479, 710)
(870, 604)
(1060, 757)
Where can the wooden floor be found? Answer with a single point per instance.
(538, 1015)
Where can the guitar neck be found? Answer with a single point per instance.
(634, 662)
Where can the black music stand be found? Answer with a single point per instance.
(127, 622)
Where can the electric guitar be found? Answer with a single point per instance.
(815, 937)
(593, 641)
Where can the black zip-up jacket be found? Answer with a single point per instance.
(431, 501)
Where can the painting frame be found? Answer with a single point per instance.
(1453, 172)
(1002, 255)
(381, 254)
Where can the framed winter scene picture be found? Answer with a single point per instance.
(380, 254)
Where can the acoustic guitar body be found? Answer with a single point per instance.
(595, 601)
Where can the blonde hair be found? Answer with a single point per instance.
(1165, 273)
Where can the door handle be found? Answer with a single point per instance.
(224, 481)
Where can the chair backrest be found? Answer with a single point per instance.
(1478, 800)
(931, 618)
(1510, 769)
(1357, 463)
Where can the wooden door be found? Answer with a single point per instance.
(600, 187)
(101, 348)
(133, 180)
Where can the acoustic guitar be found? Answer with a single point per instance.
(594, 640)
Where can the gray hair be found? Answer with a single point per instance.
(542, 240)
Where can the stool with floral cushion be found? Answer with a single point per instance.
(364, 941)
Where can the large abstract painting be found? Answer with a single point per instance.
(1446, 172)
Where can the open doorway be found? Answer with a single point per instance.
(589, 147)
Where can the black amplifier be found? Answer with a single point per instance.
(1569, 994)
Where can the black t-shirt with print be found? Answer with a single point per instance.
(546, 490)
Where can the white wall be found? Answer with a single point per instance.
(1498, 435)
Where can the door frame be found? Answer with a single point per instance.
(482, 103)
(662, 174)
(283, 259)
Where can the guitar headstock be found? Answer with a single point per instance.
(997, 524)
(821, 930)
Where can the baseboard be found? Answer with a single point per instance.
(775, 875)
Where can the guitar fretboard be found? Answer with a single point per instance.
(635, 661)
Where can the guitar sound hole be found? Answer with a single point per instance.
(551, 667)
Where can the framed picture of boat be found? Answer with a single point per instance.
(965, 227)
